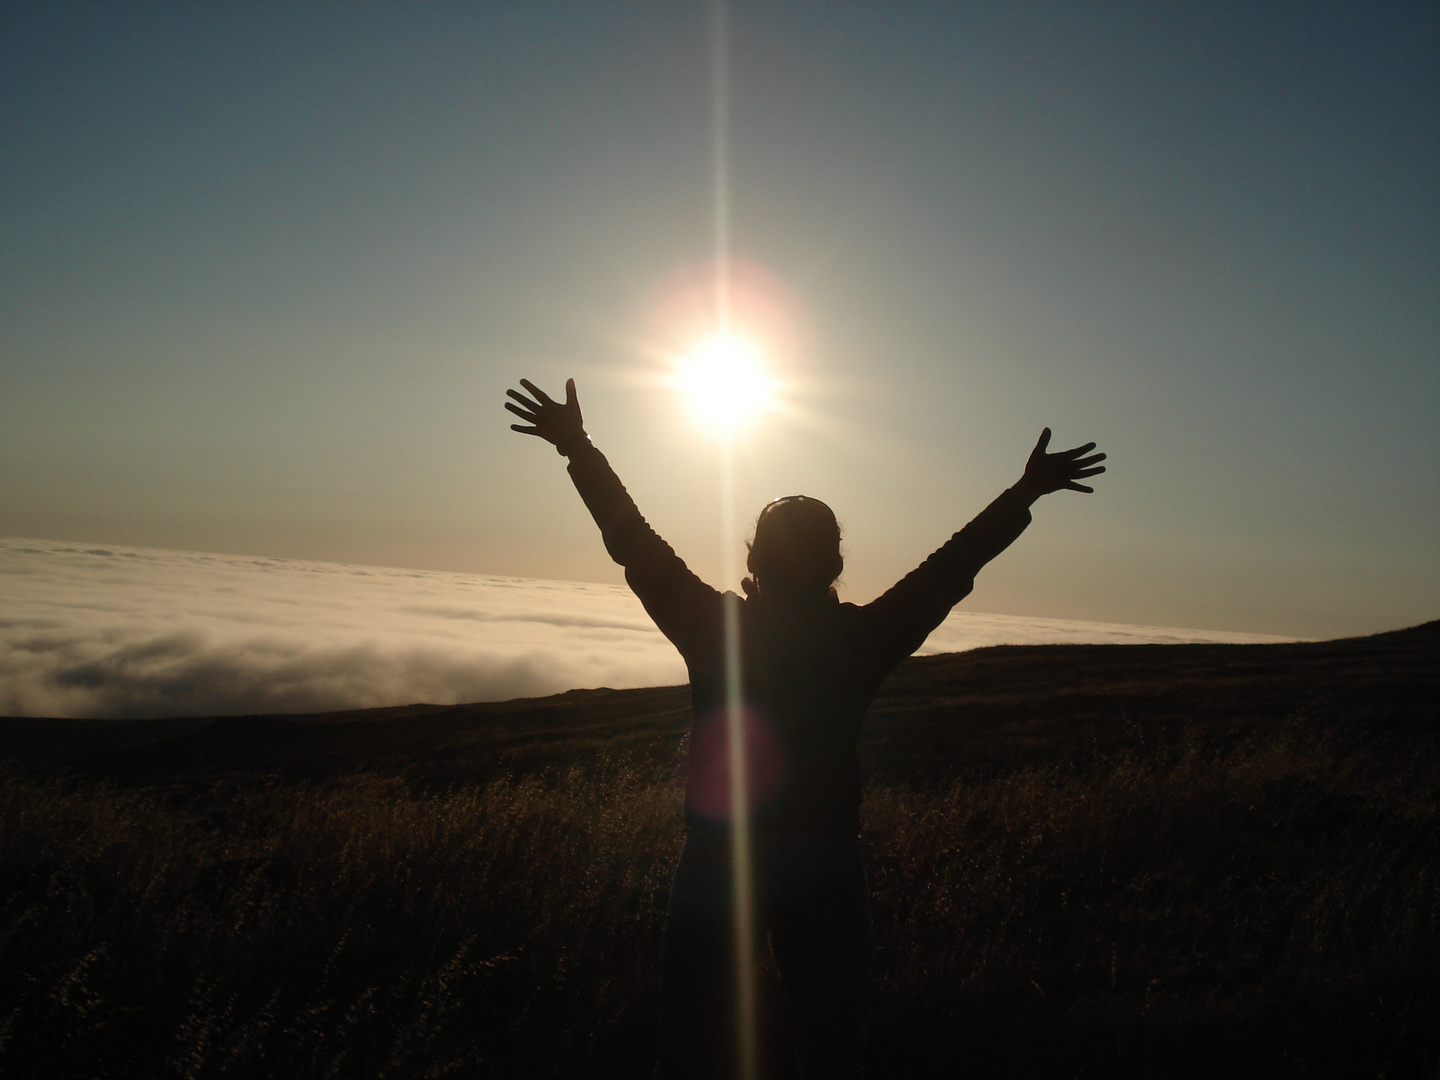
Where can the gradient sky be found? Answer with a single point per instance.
(267, 270)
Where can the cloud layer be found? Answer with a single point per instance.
(106, 631)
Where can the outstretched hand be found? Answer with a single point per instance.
(559, 424)
(1045, 473)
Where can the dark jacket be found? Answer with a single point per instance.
(808, 671)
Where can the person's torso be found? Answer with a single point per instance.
(806, 678)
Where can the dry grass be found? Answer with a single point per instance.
(351, 928)
(1177, 898)
(1261, 909)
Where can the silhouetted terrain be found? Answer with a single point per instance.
(1141, 861)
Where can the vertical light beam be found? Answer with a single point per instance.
(741, 898)
(720, 159)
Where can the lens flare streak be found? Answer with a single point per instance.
(739, 794)
(734, 676)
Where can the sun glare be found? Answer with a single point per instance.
(725, 382)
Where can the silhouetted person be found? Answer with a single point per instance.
(810, 666)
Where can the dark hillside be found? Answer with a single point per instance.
(937, 716)
(1130, 861)
(458, 743)
(992, 709)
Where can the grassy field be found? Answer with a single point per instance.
(1086, 861)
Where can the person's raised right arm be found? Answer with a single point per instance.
(906, 614)
(672, 594)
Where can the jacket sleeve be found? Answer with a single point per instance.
(903, 617)
(682, 605)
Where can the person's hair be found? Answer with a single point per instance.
(796, 548)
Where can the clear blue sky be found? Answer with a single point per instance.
(266, 271)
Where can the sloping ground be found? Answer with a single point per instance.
(994, 708)
(937, 717)
(1129, 861)
(423, 742)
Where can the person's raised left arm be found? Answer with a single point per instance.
(558, 423)
(670, 591)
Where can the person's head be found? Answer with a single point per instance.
(796, 549)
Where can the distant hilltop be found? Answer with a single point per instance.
(934, 714)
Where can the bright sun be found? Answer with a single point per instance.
(725, 382)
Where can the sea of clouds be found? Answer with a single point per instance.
(103, 631)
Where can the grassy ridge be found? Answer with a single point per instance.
(1132, 861)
